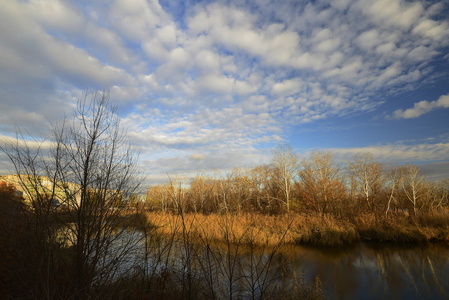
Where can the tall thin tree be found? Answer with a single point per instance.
(286, 163)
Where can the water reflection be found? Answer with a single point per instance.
(361, 271)
(367, 271)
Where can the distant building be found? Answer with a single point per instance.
(29, 186)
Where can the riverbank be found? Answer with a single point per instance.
(303, 229)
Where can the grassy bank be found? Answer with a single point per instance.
(307, 229)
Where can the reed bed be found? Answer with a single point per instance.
(306, 229)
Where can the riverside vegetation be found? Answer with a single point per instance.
(214, 237)
(316, 201)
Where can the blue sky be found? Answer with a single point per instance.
(204, 85)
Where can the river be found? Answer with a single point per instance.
(373, 271)
(359, 271)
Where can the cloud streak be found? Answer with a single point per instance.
(422, 107)
(399, 152)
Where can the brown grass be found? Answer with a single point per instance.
(405, 229)
(310, 228)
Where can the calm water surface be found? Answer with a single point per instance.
(369, 271)
(360, 271)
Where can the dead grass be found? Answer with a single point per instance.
(310, 229)
(402, 228)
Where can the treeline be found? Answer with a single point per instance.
(316, 184)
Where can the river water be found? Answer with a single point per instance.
(359, 271)
(370, 271)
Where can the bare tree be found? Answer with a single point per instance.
(286, 162)
(368, 177)
(89, 167)
(394, 178)
(413, 185)
(199, 192)
(321, 179)
(158, 198)
(438, 193)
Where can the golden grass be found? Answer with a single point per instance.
(311, 229)
(404, 229)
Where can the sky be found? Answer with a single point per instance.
(211, 85)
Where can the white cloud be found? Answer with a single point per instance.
(386, 75)
(197, 156)
(422, 107)
(398, 152)
(432, 29)
(369, 39)
(422, 53)
(31, 49)
(256, 104)
(208, 61)
(394, 12)
(216, 83)
(108, 45)
(234, 28)
(349, 71)
(287, 87)
(57, 14)
(327, 46)
(244, 88)
(136, 19)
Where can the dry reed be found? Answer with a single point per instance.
(310, 228)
